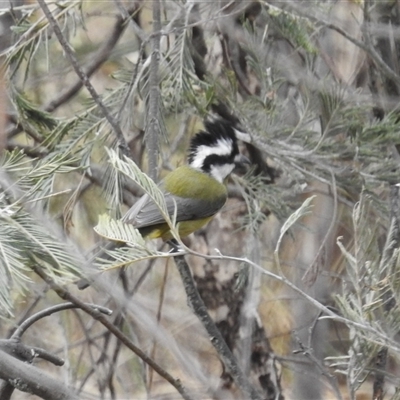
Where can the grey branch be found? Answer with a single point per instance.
(200, 310)
(49, 311)
(97, 60)
(367, 46)
(95, 313)
(84, 78)
(30, 379)
(153, 115)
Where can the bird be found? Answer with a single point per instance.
(197, 190)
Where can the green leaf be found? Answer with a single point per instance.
(123, 256)
(132, 171)
(118, 231)
(304, 209)
(34, 115)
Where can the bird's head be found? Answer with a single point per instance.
(215, 150)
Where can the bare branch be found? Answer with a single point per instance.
(367, 46)
(49, 311)
(94, 313)
(30, 379)
(84, 78)
(153, 115)
(97, 60)
(200, 310)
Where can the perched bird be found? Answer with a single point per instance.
(197, 190)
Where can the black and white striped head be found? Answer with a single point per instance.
(215, 150)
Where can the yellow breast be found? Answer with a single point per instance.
(188, 183)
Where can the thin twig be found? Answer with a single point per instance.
(94, 313)
(23, 352)
(30, 151)
(200, 310)
(97, 60)
(329, 314)
(22, 127)
(308, 353)
(26, 381)
(49, 311)
(139, 32)
(311, 274)
(367, 46)
(84, 78)
(159, 311)
(7, 389)
(32, 380)
(153, 115)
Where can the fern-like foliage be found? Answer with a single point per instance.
(132, 171)
(29, 235)
(372, 283)
(134, 251)
(136, 248)
(294, 28)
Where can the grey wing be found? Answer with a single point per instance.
(145, 212)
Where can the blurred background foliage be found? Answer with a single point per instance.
(316, 87)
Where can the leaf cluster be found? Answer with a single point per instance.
(28, 237)
(370, 293)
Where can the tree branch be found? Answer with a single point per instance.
(97, 60)
(94, 313)
(30, 379)
(22, 127)
(153, 115)
(14, 347)
(367, 47)
(139, 32)
(84, 78)
(49, 311)
(197, 305)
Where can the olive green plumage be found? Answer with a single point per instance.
(198, 197)
(196, 191)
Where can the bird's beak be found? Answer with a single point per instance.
(241, 164)
(241, 161)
